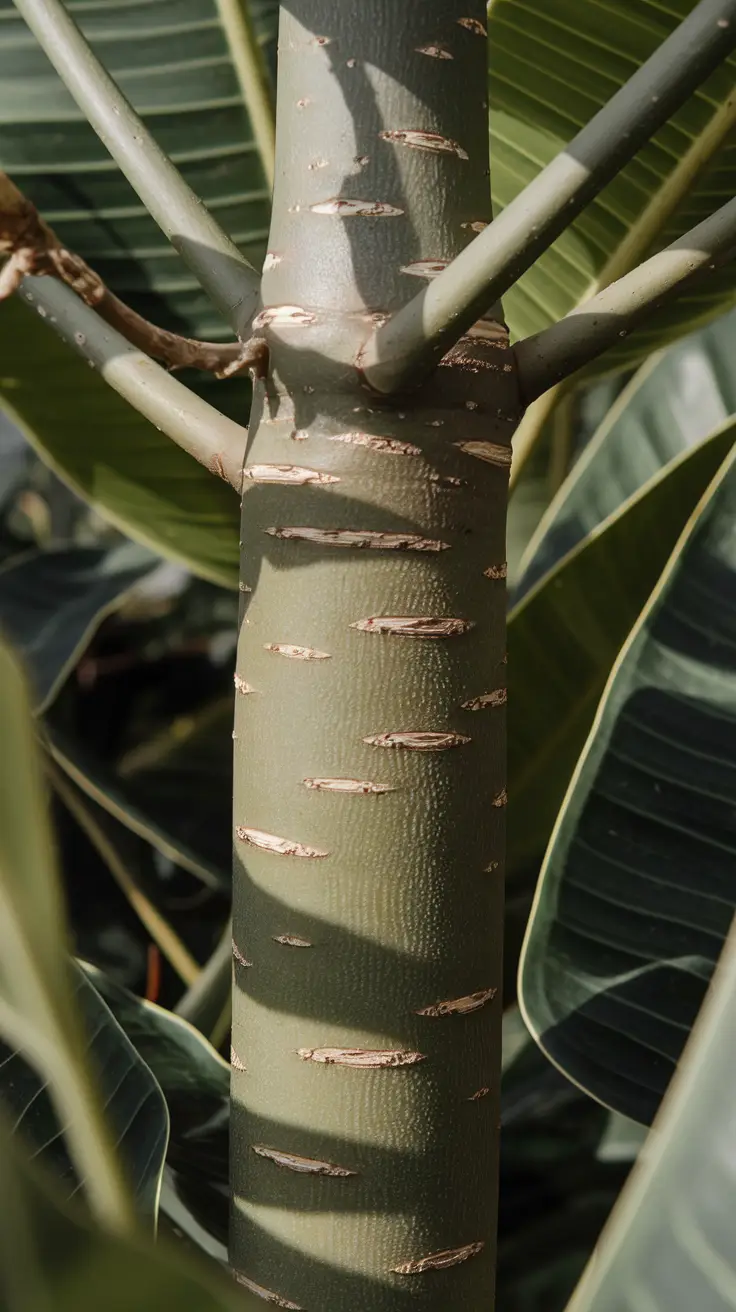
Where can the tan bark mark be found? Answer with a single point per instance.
(491, 452)
(287, 475)
(304, 1165)
(368, 540)
(243, 587)
(241, 686)
(414, 626)
(424, 141)
(361, 1057)
(487, 699)
(497, 571)
(439, 1261)
(281, 846)
(239, 957)
(500, 799)
(424, 268)
(362, 786)
(489, 869)
(459, 1006)
(387, 445)
(235, 1061)
(479, 1093)
(292, 941)
(473, 25)
(285, 316)
(296, 653)
(266, 1294)
(346, 209)
(418, 742)
(434, 52)
(478, 225)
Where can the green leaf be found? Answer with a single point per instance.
(52, 1260)
(51, 603)
(552, 68)
(132, 1102)
(37, 1012)
(670, 1242)
(671, 403)
(120, 464)
(637, 891)
(565, 635)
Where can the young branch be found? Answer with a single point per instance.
(253, 80)
(231, 282)
(200, 429)
(550, 356)
(34, 248)
(408, 346)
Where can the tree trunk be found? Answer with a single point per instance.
(369, 739)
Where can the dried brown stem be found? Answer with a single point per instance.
(32, 247)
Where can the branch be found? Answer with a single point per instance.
(34, 248)
(253, 79)
(587, 331)
(231, 282)
(412, 342)
(200, 429)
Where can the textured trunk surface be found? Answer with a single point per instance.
(369, 739)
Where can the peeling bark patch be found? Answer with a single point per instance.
(473, 25)
(361, 1057)
(418, 741)
(367, 540)
(434, 52)
(243, 587)
(286, 316)
(271, 260)
(439, 1261)
(292, 941)
(266, 1294)
(287, 475)
(489, 869)
(235, 1061)
(361, 786)
(477, 225)
(388, 445)
(491, 452)
(424, 268)
(239, 957)
(414, 626)
(318, 164)
(431, 141)
(303, 1165)
(486, 700)
(479, 1093)
(497, 571)
(447, 480)
(281, 846)
(501, 799)
(296, 653)
(459, 1006)
(347, 209)
(241, 686)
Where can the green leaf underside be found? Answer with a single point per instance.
(52, 602)
(132, 1101)
(674, 401)
(552, 68)
(137, 478)
(565, 635)
(637, 892)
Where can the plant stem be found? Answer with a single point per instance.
(200, 429)
(530, 430)
(202, 1004)
(220, 268)
(406, 347)
(253, 78)
(558, 352)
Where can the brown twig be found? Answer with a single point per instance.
(32, 247)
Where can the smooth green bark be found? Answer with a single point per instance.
(355, 911)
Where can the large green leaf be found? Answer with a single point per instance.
(671, 403)
(102, 448)
(639, 885)
(51, 602)
(52, 1260)
(132, 1101)
(552, 67)
(670, 1245)
(566, 634)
